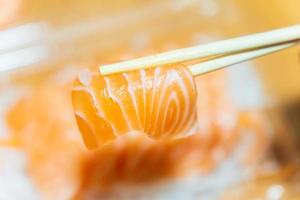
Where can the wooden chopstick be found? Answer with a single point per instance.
(219, 63)
(243, 43)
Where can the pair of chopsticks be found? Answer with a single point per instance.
(228, 52)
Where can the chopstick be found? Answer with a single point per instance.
(228, 46)
(219, 63)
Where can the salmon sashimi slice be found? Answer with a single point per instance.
(135, 160)
(159, 102)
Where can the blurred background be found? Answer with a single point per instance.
(253, 105)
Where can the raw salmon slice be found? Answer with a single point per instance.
(160, 102)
